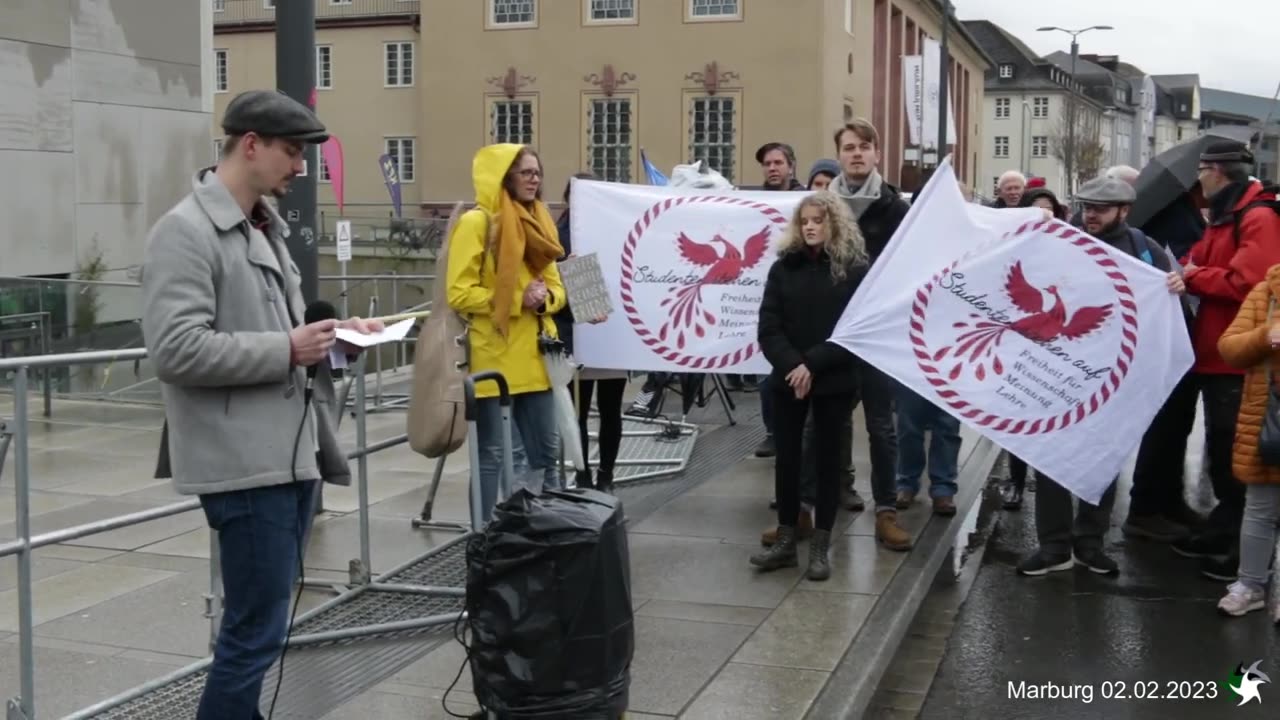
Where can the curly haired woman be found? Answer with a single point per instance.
(822, 260)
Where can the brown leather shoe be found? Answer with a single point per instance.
(889, 534)
(803, 530)
(905, 498)
(944, 506)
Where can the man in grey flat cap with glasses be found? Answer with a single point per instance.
(224, 322)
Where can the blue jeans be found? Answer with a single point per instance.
(260, 532)
(535, 445)
(915, 416)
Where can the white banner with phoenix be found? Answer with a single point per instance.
(686, 269)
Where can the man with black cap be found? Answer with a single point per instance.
(1241, 243)
(224, 323)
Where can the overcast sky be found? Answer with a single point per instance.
(1230, 43)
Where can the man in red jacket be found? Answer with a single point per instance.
(1241, 243)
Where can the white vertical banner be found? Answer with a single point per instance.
(913, 94)
(933, 97)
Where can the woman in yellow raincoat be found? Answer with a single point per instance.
(502, 279)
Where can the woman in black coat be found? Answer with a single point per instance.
(822, 260)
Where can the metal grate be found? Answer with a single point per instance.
(647, 447)
(373, 607)
(448, 568)
(178, 699)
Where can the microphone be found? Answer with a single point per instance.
(317, 311)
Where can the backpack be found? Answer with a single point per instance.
(1139, 240)
(1238, 216)
(436, 422)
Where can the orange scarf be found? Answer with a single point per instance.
(526, 234)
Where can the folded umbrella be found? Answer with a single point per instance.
(1175, 171)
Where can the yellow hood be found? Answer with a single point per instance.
(488, 169)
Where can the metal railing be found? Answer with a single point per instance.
(16, 435)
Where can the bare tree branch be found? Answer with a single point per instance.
(1088, 152)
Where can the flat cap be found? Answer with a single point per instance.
(272, 114)
(1227, 151)
(1106, 191)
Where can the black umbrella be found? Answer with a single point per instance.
(1175, 171)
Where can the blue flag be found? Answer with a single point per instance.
(391, 174)
(651, 171)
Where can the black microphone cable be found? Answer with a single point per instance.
(316, 311)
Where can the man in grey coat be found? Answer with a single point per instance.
(249, 427)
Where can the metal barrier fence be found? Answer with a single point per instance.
(16, 435)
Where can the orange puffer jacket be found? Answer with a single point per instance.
(1245, 345)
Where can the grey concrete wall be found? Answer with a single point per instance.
(104, 117)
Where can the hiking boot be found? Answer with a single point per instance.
(804, 529)
(944, 506)
(1241, 600)
(1096, 561)
(1154, 527)
(853, 502)
(1012, 498)
(1203, 546)
(1042, 563)
(782, 554)
(905, 498)
(819, 556)
(889, 534)
(766, 448)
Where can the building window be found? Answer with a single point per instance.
(219, 5)
(217, 151)
(324, 67)
(1003, 106)
(713, 132)
(323, 175)
(1002, 146)
(220, 71)
(399, 56)
(512, 12)
(609, 138)
(1006, 71)
(400, 150)
(511, 121)
(612, 10)
(713, 8)
(1268, 142)
(1040, 146)
(1040, 107)
(1264, 172)
(339, 2)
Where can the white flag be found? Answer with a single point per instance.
(1049, 342)
(685, 269)
(913, 96)
(933, 96)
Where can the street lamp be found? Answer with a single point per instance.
(1071, 112)
(1022, 139)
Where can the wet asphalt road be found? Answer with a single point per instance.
(1154, 625)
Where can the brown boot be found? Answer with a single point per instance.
(944, 506)
(803, 530)
(889, 534)
(905, 499)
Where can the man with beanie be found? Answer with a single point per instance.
(823, 173)
(1241, 243)
(248, 428)
(879, 209)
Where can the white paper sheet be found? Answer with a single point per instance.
(392, 333)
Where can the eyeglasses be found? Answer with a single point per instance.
(1203, 169)
(529, 174)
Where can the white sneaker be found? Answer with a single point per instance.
(1241, 600)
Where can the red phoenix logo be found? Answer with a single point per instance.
(684, 304)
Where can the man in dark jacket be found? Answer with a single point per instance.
(1241, 243)
(1068, 538)
(879, 209)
